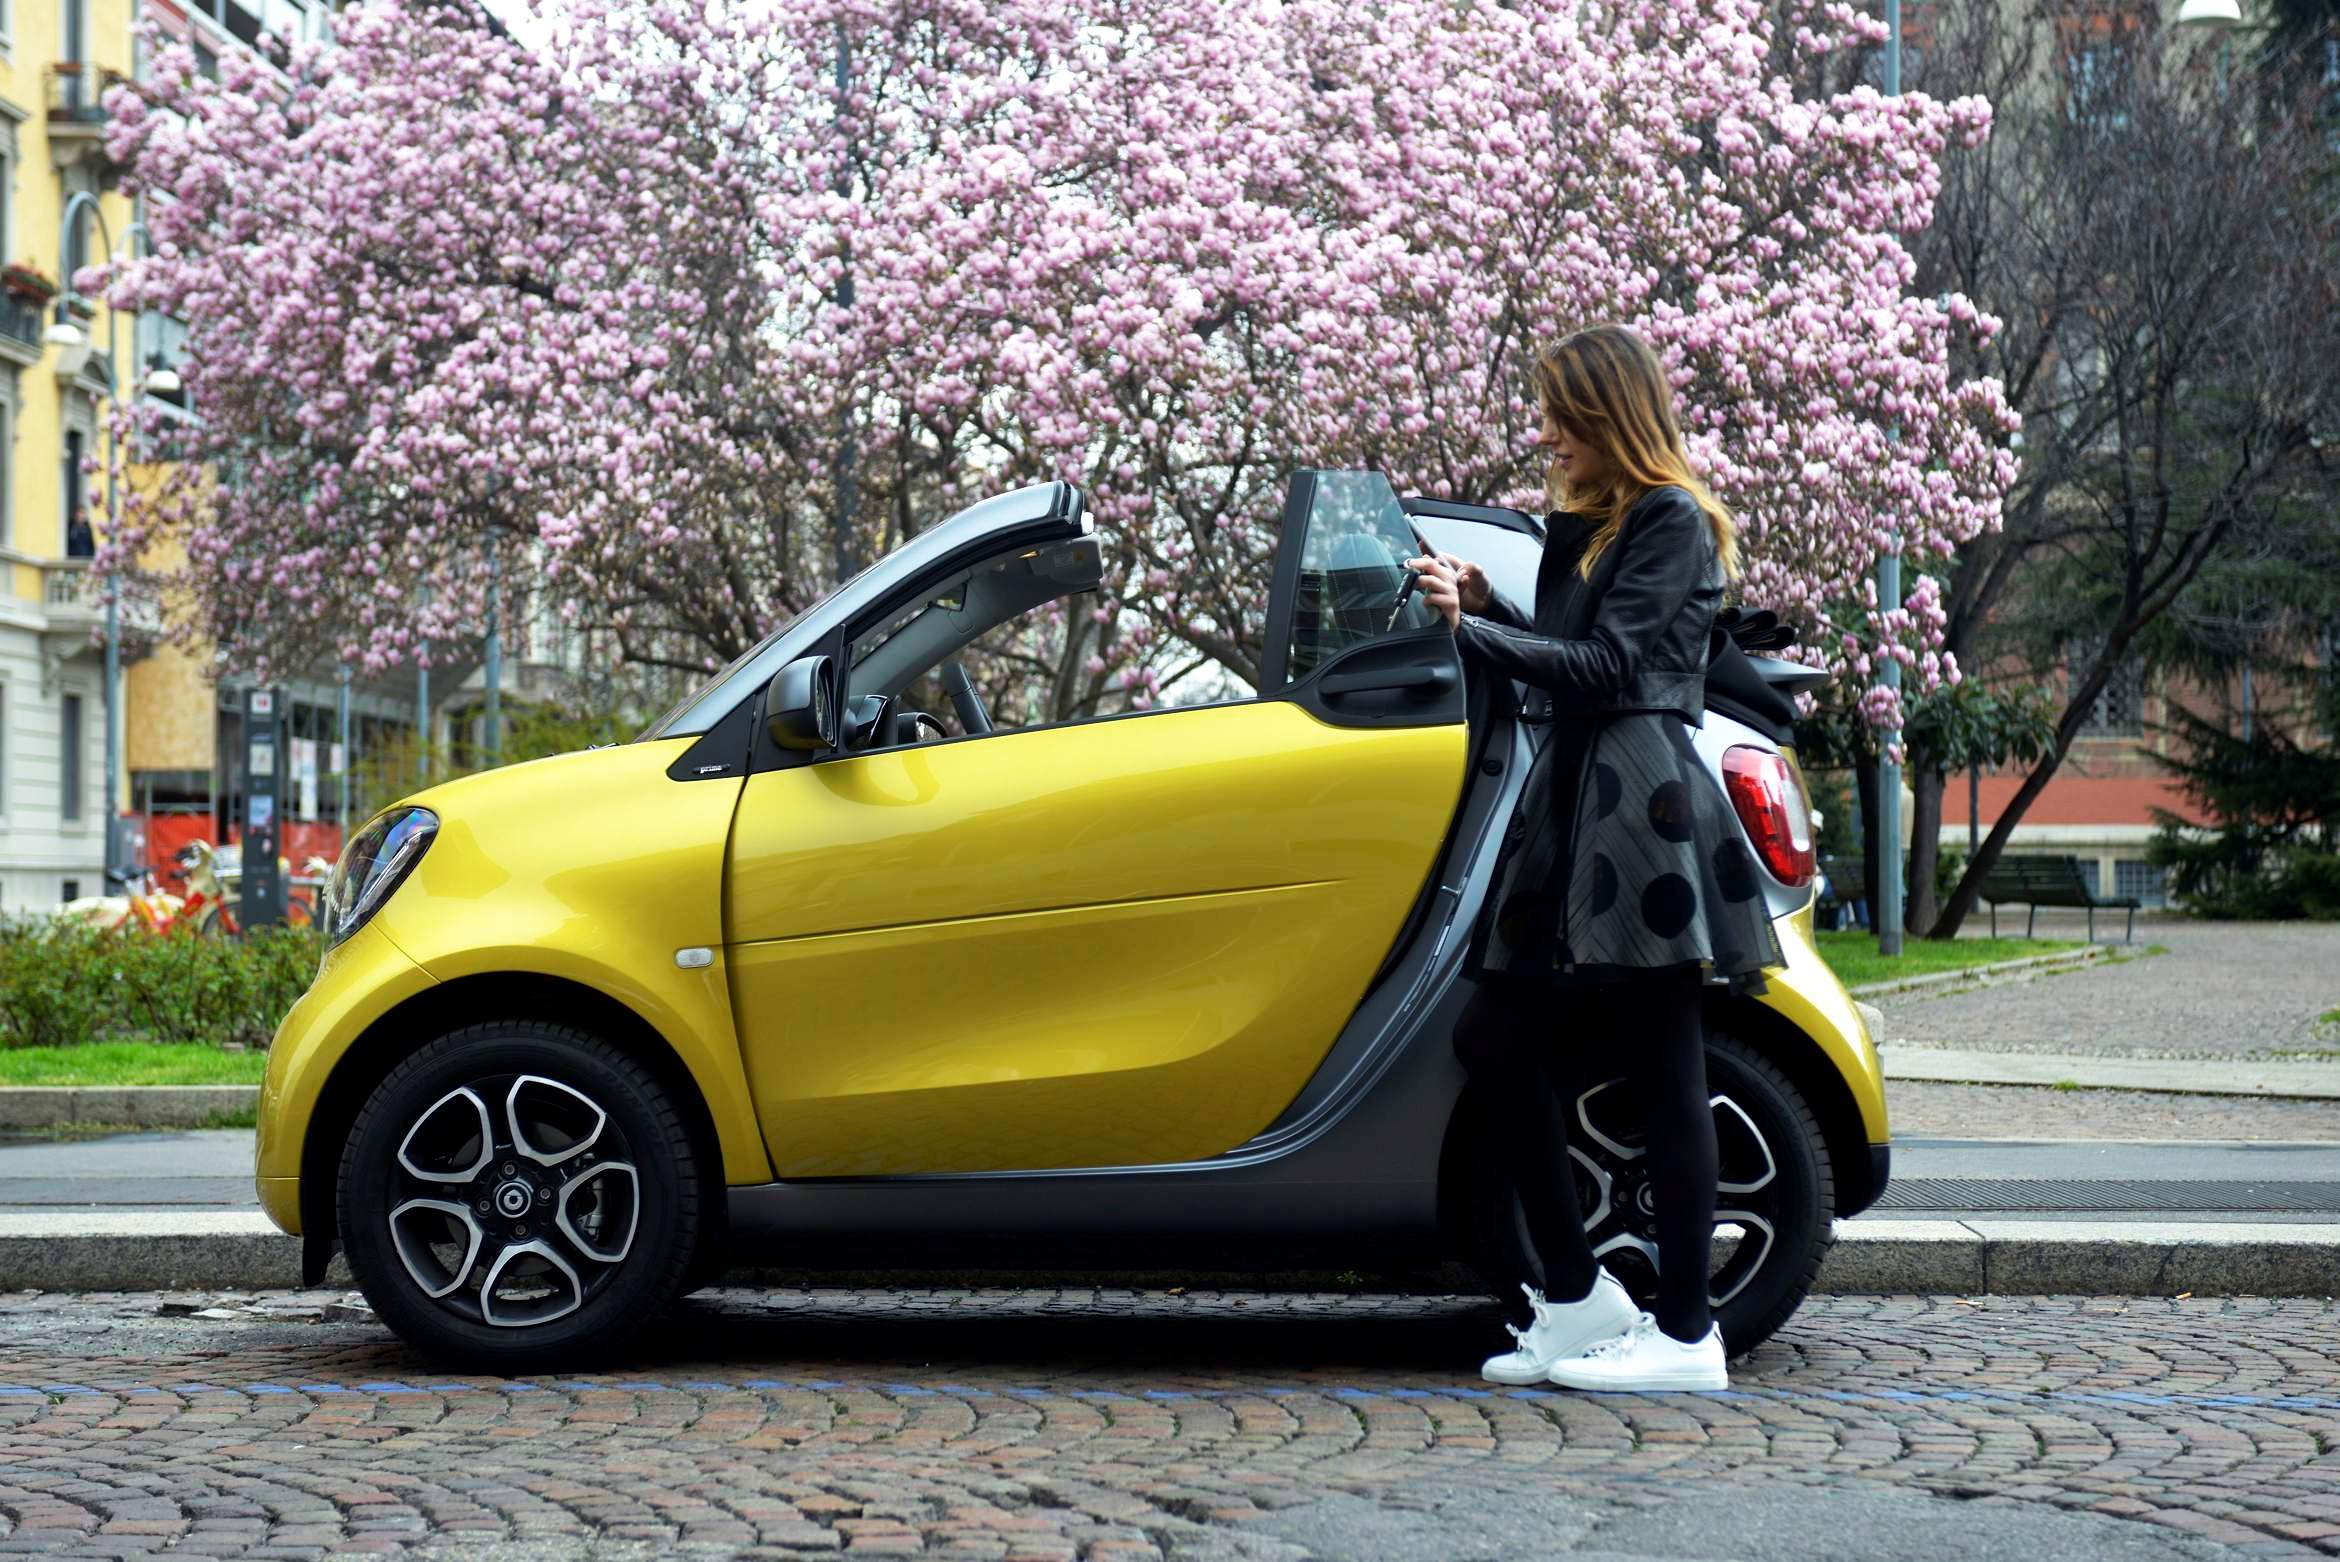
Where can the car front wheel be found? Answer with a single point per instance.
(518, 1195)
(1774, 1202)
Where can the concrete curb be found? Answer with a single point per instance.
(138, 1106)
(224, 1251)
(1905, 1063)
(1978, 975)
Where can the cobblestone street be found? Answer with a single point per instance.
(1063, 1424)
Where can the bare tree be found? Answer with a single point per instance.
(2152, 235)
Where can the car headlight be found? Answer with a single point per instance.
(376, 862)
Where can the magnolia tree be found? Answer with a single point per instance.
(684, 311)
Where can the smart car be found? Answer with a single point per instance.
(858, 956)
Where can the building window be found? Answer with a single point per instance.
(162, 344)
(69, 767)
(68, 891)
(80, 541)
(2119, 711)
(3, 751)
(2142, 881)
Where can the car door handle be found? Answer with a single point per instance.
(1428, 680)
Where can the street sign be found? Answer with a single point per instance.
(262, 890)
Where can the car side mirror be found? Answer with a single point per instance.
(800, 707)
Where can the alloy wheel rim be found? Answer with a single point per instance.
(1619, 1202)
(514, 1200)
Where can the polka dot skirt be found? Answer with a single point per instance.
(1625, 858)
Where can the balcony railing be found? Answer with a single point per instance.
(20, 320)
(74, 597)
(77, 92)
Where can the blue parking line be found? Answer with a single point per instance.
(1922, 1395)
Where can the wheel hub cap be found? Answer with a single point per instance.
(514, 1200)
(1620, 1204)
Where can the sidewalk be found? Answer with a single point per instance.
(2223, 990)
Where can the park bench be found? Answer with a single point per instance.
(2050, 881)
(1848, 885)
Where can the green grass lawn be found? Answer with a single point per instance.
(130, 1063)
(1854, 958)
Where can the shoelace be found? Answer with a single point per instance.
(1643, 1327)
(1538, 1308)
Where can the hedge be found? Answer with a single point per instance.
(61, 984)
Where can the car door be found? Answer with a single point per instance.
(1122, 941)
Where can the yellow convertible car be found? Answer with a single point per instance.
(837, 965)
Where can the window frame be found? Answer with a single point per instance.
(897, 606)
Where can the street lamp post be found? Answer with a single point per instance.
(1888, 858)
(67, 336)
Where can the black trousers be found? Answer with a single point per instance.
(1513, 1042)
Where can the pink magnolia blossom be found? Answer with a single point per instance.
(676, 332)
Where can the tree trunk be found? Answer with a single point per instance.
(1925, 840)
(2067, 729)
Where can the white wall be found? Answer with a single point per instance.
(38, 849)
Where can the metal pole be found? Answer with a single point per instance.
(422, 714)
(1888, 598)
(494, 742)
(341, 719)
(848, 498)
(1973, 811)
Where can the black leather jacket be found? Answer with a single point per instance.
(1634, 636)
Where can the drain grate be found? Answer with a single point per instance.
(2004, 1194)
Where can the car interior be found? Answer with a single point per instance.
(909, 681)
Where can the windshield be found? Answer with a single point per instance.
(684, 714)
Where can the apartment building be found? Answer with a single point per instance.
(57, 57)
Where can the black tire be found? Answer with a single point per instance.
(1760, 1111)
(541, 1214)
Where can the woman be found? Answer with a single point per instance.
(1625, 888)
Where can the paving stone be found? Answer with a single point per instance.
(1054, 1425)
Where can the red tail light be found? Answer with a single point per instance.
(1771, 805)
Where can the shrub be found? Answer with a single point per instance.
(61, 984)
(2273, 850)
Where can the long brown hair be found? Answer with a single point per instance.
(1605, 384)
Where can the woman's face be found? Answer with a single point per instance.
(1582, 462)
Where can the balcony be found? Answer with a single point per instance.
(73, 597)
(20, 328)
(77, 110)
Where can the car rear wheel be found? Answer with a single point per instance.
(1774, 1204)
(519, 1194)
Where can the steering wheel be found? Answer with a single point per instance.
(916, 726)
(973, 718)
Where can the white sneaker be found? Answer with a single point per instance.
(1645, 1359)
(1561, 1329)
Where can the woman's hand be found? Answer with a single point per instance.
(1440, 586)
(1453, 586)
